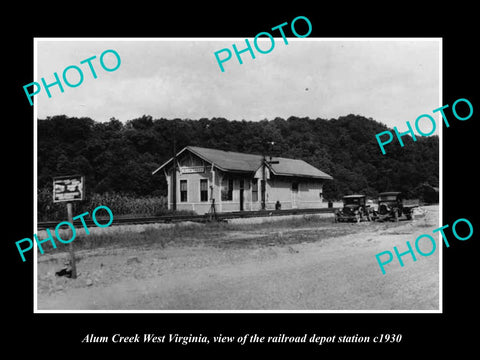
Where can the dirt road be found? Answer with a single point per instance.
(336, 273)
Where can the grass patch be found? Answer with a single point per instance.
(217, 234)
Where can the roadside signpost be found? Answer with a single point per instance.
(68, 189)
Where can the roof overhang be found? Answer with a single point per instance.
(303, 176)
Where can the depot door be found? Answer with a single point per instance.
(241, 194)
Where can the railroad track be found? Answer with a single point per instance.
(124, 220)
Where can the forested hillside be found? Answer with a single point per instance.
(119, 157)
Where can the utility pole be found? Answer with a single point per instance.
(264, 175)
(174, 172)
(262, 183)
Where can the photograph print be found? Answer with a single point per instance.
(260, 188)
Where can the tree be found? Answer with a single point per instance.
(120, 157)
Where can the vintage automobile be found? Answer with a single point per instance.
(355, 208)
(391, 207)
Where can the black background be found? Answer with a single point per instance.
(61, 334)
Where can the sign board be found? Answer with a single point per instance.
(192, 169)
(68, 188)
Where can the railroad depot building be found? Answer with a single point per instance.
(233, 181)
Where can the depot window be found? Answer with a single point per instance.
(295, 186)
(255, 190)
(203, 190)
(183, 190)
(227, 189)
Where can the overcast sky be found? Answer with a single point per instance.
(389, 80)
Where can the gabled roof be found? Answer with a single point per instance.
(228, 160)
(231, 161)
